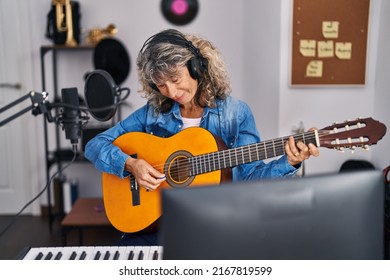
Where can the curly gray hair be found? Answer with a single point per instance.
(158, 60)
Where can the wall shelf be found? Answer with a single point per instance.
(59, 155)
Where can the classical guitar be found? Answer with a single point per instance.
(195, 157)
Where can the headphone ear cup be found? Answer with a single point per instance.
(194, 68)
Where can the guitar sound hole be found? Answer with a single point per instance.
(178, 170)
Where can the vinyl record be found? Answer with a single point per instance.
(179, 12)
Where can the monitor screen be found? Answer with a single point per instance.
(332, 216)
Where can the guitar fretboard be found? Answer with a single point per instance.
(245, 154)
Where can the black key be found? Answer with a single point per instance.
(49, 256)
(131, 256)
(97, 256)
(39, 256)
(73, 256)
(106, 255)
(83, 255)
(141, 255)
(58, 256)
(155, 255)
(116, 256)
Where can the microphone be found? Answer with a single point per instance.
(70, 118)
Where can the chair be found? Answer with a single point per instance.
(356, 165)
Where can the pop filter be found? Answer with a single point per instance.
(101, 93)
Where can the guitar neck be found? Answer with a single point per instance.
(246, 154)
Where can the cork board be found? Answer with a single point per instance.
(329, 42)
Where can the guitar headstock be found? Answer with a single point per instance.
(359, 133)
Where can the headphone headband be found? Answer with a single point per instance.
(196, 66)
(171, 36)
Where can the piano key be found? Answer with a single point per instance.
(90, 252)
(155, 253)
(116, 255)
(39, 256)
(138, 252)
(97, 255)
(58, 255)
(83, 255)
(48, 256)
(73, 256)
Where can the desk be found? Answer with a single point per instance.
(85, 213)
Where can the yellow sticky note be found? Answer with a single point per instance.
(314, 68)
(307, 47)
(344, 50)
(330, 29)
(325, 49)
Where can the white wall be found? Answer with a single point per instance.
(254, 36)
(261, 63)
(320, 107)
(381, 156)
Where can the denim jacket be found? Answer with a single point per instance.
(232, 120)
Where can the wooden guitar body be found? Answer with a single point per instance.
(160, 153)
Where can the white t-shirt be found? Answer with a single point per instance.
(188, 122)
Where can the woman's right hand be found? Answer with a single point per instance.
(146, 176)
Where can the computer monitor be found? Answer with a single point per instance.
(332, 216)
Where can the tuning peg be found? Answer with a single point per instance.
(366, 147)
(340, 149)
(353, 148)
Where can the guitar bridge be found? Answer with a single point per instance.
(135, 195)
(134, 191)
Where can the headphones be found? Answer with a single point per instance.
(196, 65)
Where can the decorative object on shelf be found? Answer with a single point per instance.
(179, 12)
(111, 55)
(95, 35)
(63, 23)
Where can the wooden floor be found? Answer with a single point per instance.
(34, 231)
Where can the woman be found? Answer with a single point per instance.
(186, 83)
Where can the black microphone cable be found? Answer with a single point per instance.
(86, 109)
(38, 195)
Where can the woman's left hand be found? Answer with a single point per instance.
(297, 152)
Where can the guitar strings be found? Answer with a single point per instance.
(213, 161)
(218, 160)
(218, 156)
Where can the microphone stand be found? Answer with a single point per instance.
(39, 106)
